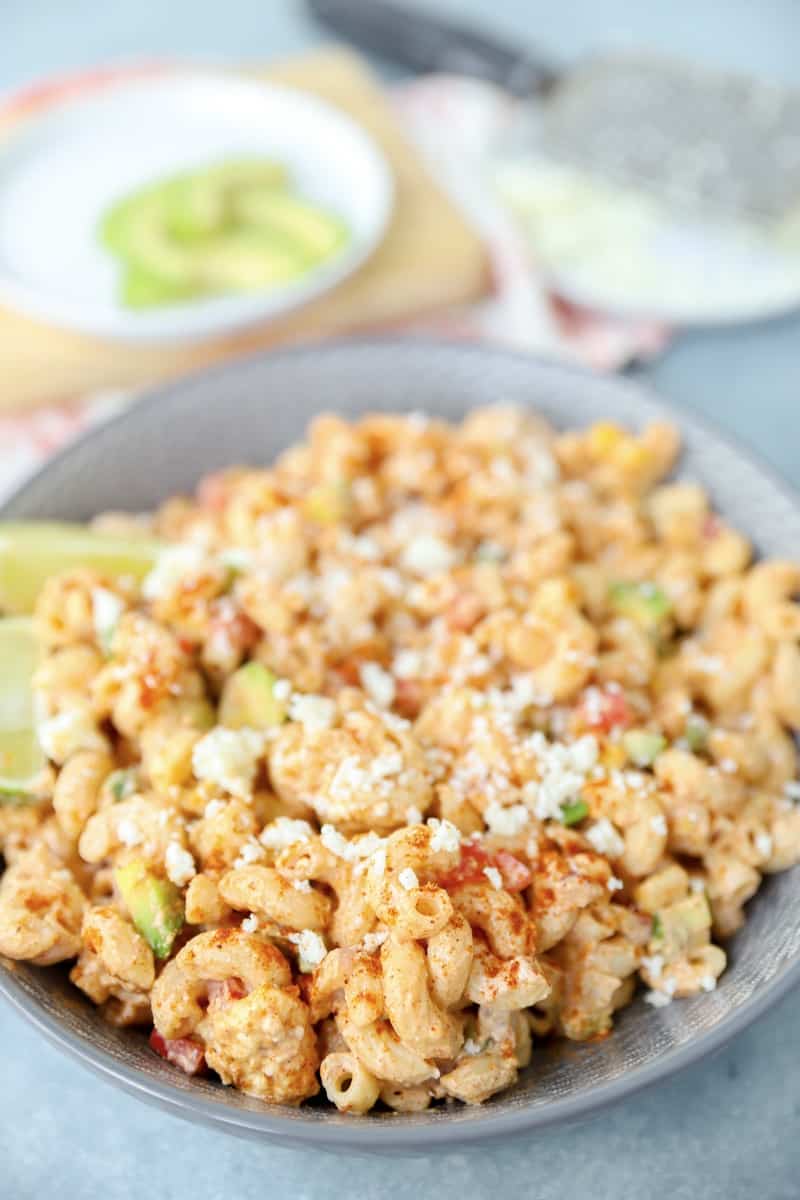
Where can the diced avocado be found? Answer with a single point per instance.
(645, 603)
(572, 814)
(122, 784)
(684, 925)
(312, 230)
(329, 503)
(696, 732)
(248, 699)
(154, 904)
(642, 746)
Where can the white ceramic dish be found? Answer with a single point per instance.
(61, 172)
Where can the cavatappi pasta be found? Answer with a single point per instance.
(424, 744)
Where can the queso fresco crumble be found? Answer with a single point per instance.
(424, 744)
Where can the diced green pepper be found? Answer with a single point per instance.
(572, 814)
(645, 603)
(642, 746)
(658, 928)
(154, 904)
(248, 699)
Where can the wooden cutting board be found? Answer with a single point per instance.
(430, 259)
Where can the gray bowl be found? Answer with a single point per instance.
(248, 411)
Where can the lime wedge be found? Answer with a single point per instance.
(21, 759)
(32, 551)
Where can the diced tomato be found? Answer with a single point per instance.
(213, 491)
(712, 526)
(229, 622)
(408, 698)
(180, 1052)
(606, 711)
(516, 874)
(222, 992)
(474, 860)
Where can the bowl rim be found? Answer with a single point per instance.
(383, 1136)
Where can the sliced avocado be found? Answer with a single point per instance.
(248, 699)
(154, 904)
(142, 288)
(245, 260)
(645, 603)
(312, 230)
(642, 746)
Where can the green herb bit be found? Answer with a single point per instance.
(572, 814)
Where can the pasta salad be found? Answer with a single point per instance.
(424, 744)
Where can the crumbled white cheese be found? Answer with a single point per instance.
(301, 885)
(335, 842)
(658, 824)
(657, 999)
(250, 924)
(729, 766)
(614, 884)
(506, 822)
(445, 836)
(107, 608)
(792, 789)
(314, 713)
(408, 879)
(378, 684)
(697, 883)
(407, 664)
(129, 832)
(237, 558)
(180, 864)
(764, 844)
(173, 566)
(281, 689)
(373, 941)
(213, 809)
(494, 877)
(229, 758)
(708, 983)
(249, 853)
(653, 964)
(603, 837)
(285, 831)
(413, 816)
(69, 731)
(563, 768)
(427, 554)
(472, 1047)
(311, 949)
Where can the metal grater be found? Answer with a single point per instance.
(722, 144)
(719, 143)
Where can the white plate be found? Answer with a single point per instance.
(60, 173)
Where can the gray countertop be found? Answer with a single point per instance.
(726, 1128)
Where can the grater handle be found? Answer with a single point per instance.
(412, 38)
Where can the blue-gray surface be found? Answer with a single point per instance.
(725, 1129)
